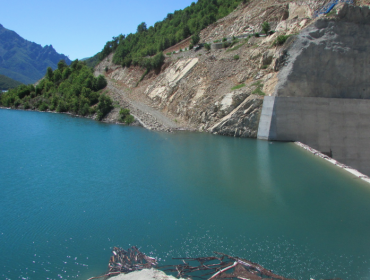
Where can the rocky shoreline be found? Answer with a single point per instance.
(142, 118)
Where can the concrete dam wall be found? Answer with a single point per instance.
(322, 96)
(337, 127)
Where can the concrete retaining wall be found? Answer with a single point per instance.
(337, 127)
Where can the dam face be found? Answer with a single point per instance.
(337, 127)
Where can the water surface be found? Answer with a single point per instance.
(72, 188)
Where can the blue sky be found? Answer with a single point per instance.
(80, 28)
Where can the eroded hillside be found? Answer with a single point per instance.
(220, 90)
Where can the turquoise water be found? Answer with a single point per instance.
(72, 188)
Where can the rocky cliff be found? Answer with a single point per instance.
(329, 58)
(221, 91)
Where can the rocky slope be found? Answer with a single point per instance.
(329, 58)
(219, 91)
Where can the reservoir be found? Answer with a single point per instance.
(72, 188)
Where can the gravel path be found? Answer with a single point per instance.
(147, 116)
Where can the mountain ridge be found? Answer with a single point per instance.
(23, 60)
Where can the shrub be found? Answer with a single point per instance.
(258, 89)
(100, 82)
(104, 106)
(224, 39)
(225, 44)
(265, 27)
(125, 116)
(195, 39)
(26, 105)
(236, 57)
(43, 106)
(256, 35)
(17, 102)
(280, 40)
(191, 46)
(169, 53)
(207, 46)
(84, 110)
(238, 86)
(62, 107)
(129, 119)
(157, 61)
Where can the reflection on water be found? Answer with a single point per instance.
(71, 188)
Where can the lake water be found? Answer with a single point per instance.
(72, 188)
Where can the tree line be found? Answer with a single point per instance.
(134, 48)
(71, 89)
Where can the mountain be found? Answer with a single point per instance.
(23, 60)
(7, 83)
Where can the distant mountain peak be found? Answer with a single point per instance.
(23, 60)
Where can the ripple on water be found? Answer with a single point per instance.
(76, 188)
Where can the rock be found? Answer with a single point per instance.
(266, 58)
(298, 10)
(326, 59)
(145, 274)
(242, 121)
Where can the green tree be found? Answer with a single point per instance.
(141, 27)
(265, 27)
(57, 76)
(100, 82)
(61, 65)
(125, 116)
(195, 39)
(157, 60)
(49, 73)
(104, 106)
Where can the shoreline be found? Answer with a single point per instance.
(108, 119)
(140, 123)
(347, 168)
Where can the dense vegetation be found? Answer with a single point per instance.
(71, 89)
(125, 117)
(25, 61)
(7, 83)
(177, 26)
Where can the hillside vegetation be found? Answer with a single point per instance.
(25, 61)
(71, 89)
(7, 83)
(177, 26)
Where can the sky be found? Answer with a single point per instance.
(80, 28)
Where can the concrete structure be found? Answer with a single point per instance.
(216, 46)
(337, 127)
